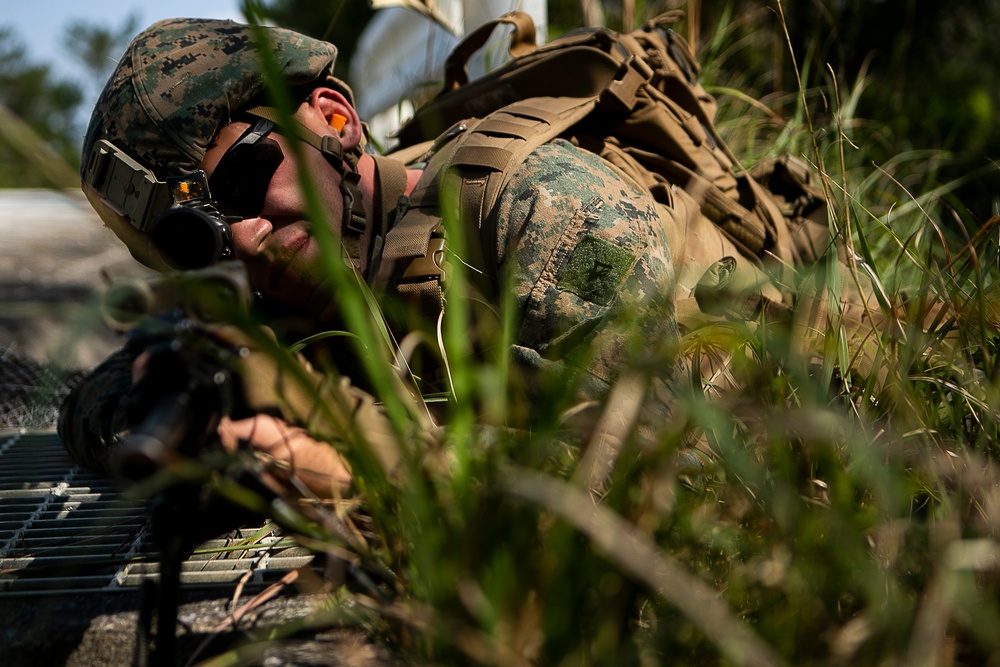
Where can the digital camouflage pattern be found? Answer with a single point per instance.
(181, 80)
(594, 278)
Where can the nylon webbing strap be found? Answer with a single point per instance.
(392, 183)
(410, 237)
(751, 231)
(522, 41)
(412, 258)
(409, 242)
(391, 176)
(327, 144)
(488, 155)
(493, 158)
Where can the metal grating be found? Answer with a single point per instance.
(65, 530)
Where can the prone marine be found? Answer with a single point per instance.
(188, 161)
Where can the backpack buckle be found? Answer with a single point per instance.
(624, 89)
(429, 267)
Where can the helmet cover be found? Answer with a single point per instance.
(178, 83)
(181, 80)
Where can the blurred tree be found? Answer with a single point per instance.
(565, 15)
(47, 105)
(40, 134)
(98, 46)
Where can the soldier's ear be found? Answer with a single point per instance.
(338, 115)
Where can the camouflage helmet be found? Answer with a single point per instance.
(178, 83)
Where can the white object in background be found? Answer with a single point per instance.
(400, 56)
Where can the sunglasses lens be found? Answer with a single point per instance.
(240, 180)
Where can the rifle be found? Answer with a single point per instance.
(189, 384)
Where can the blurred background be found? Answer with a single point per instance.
(839, 524)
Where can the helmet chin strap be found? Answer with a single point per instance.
(345, 163)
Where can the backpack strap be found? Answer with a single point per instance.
(391, 175)
(488, 156)
(522, 41)
(473, 163)
(411, 261)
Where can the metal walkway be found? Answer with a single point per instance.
(66, 530)
(74, 551)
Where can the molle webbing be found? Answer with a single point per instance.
(522, 42)
(486, 156)
(391, 177)
(469, 172)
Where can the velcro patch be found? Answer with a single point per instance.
(596, 270)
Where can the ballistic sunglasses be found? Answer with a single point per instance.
(241, 178)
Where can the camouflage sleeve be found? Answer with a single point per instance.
(92, 419)
(592, 272)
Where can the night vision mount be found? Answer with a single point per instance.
(178, 214)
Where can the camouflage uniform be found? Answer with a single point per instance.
(181, 80)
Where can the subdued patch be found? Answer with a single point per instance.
(596, 270)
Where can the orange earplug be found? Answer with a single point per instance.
(338, 122)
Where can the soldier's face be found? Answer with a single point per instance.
(277, 243)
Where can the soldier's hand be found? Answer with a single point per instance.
(325, 405)
(294, 459)
(295, 463)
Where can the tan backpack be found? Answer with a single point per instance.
(633, 99)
